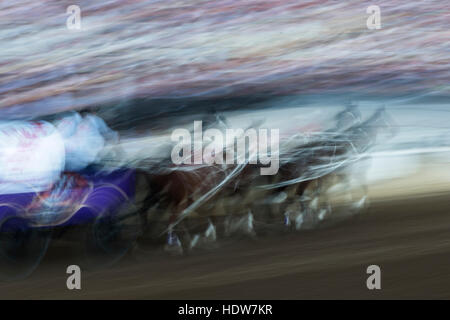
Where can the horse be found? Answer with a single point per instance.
(313, 169)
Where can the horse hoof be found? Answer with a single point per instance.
(322, 214)
(287, 220)
(299, 221)
(360, 204)
(249, 227)
(210, 233)
(194, 242)
(173, 245)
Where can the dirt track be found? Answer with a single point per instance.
(409, 240)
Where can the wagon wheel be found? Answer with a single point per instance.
(109, 237)
(22, 247)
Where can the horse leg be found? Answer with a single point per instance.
(174, 243)
(308, 204)
(239, 213)
(203, 227)
(208, 236)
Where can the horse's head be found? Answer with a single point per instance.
(365, 134)
(382, 121)
(348, 117)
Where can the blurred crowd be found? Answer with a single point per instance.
(191, 48)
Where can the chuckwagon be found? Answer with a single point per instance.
(101, 203)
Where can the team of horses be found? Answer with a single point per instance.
(189, 205)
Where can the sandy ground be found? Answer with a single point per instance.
(409, 240)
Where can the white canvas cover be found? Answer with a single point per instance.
(32, 156)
